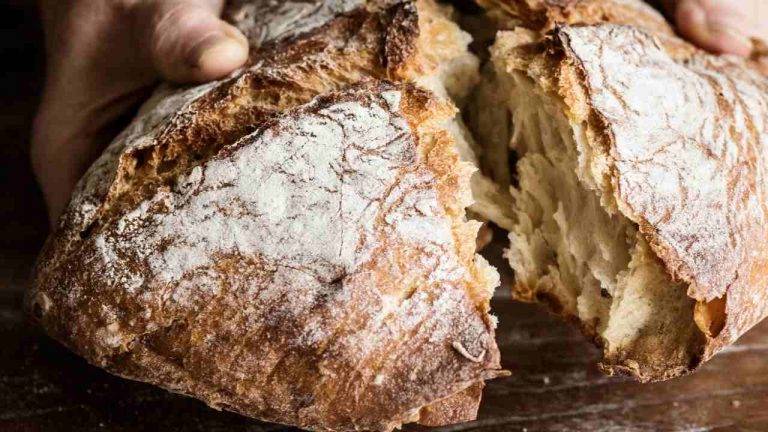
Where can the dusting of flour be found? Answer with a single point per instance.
(277, 19)
(304, 193)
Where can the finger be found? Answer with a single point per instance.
(68, 135)
(188, 41)
(720, 26)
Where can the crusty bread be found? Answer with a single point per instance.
(291, 243)
(639, 197)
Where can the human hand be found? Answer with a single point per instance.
(721, 26)
(103, 56)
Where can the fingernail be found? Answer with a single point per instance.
(730, 37)
(712, 28)
(762, 64)
(691, 13)
(218, 53)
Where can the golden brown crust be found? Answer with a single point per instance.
(459, 408)
(214, 252)
(348, 49)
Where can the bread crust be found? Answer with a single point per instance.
(545, 15)
(284, 72)
(681, 137)
(314, 301)
(269, 21)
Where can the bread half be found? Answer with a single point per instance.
(639, 189)
(291, 243)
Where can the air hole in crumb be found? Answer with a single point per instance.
(338, 282)
(512, 160)
(605, 294)
(37, 311)
(695, 360)
(166, 166)
(84, 234)
(550, 300)
(141, 157)
(711, 316)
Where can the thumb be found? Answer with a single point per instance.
(721, 26)
(188, 42)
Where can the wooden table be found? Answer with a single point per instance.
(555, 386)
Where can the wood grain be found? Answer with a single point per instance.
(555, 385)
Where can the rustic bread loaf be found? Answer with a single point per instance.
(639, 186)
(291, 243)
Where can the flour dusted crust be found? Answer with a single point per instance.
(289, 243)
(345, 50)
(269, 20)
(672, 148)
(411, 41)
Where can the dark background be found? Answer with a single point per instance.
(22, 221)
(555, 385)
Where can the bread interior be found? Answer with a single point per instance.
(452, 71)
(570, 247)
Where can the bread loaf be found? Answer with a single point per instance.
(291, 243)
(639, 185)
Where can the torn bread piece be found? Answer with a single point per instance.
(290, 243)
(639, 190)
(491, 126)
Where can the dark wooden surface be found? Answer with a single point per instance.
(555, 385)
